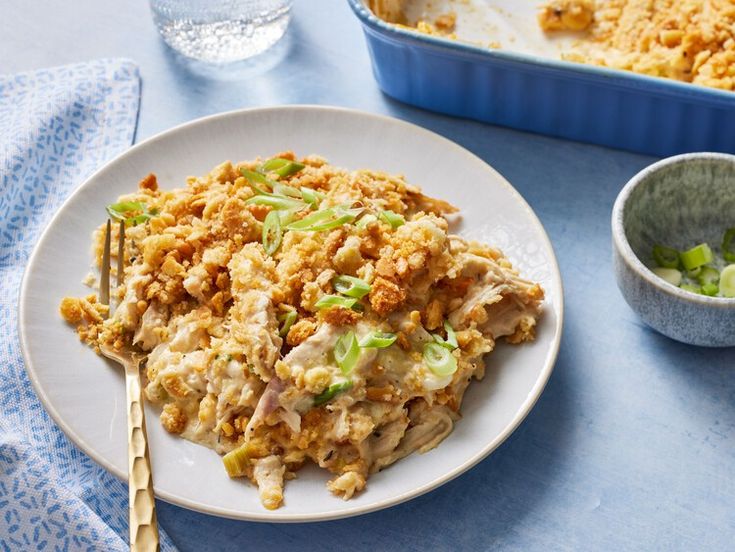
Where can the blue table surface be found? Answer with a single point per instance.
(632, 444)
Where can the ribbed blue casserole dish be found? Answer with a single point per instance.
(593, 104)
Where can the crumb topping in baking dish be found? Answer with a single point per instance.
(292, 311)
(687, 40)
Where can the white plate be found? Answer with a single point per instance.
(85, 394)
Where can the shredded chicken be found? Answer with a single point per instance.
(268, 474)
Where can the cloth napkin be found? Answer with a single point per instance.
(56, 127)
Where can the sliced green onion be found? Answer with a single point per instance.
(139, 219)
(665, 257)
(286, 190)
(326, 219)
(727, 281)
(287, 319)
(439, 340)
(439, 359)
(708, 275)
(671, 275)
(119, 210)
(272, 232)
(236, 461)
(367, 219)
(312, 220)
(728, 245)
(696, 256)
(312, 197)
(451, 336)
(326, 301)
(288, 215)
(123, 210)
(329, 393)
(270, 165)
(694, 272)
(282, 167)
(691, 288)
(710, 289)
(347, 352)
(277, 202)
(256, 177)
(451, 341)
(351, 286)
(349, 209)
(394, 219)
(378, 340)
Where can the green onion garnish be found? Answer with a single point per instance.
(367, 219)
(710, 289)
(326, 301)
(351, 286)
(691, 288)
(326, 219)
(313, 220)
(254, 177)
(696, 256)
(727, 281)
(451, 336)
(286, 190)
(282, 167)
(277, 202)
(728, 245)
(347, 352)
(272, 232)
(671, 275)
(708, 275)
(237, 461)
(439, 340)
(139, 219)
(378, 340)
(665, 257)
(312, 197)
(286, 319)
(394, 219)
(124, 211)
(439, 359)
(451, 341)
(329, 393)
(270, 165)
(120, 210)
(288, 215)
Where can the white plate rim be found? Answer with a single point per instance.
(274, 516)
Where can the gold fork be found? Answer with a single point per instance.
(142, 510)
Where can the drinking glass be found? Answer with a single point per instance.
(221, 30)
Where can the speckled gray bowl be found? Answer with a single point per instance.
(680, 201)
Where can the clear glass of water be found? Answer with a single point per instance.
(221, 30)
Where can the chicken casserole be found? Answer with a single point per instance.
(293, 311)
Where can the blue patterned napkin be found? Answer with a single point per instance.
(56, 127)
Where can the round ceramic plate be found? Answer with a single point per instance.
(85, 394)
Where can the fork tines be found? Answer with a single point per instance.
(105, 269)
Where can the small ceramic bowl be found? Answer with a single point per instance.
(680, 201)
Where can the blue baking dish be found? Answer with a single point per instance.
(587, 103)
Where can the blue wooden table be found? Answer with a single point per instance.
(631, 446)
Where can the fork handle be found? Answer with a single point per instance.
(143, 520)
